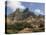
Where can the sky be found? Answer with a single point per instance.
(37, 8)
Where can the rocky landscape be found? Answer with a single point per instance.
(24, 21)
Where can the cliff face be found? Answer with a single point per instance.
(26, 19)
(20, 16)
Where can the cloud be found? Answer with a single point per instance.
(15, 4)
(37, 12)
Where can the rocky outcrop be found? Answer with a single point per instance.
(26, 21)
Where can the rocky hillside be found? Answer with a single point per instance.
(23, 22)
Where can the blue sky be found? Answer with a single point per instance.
(31, 5)
(35, 6)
